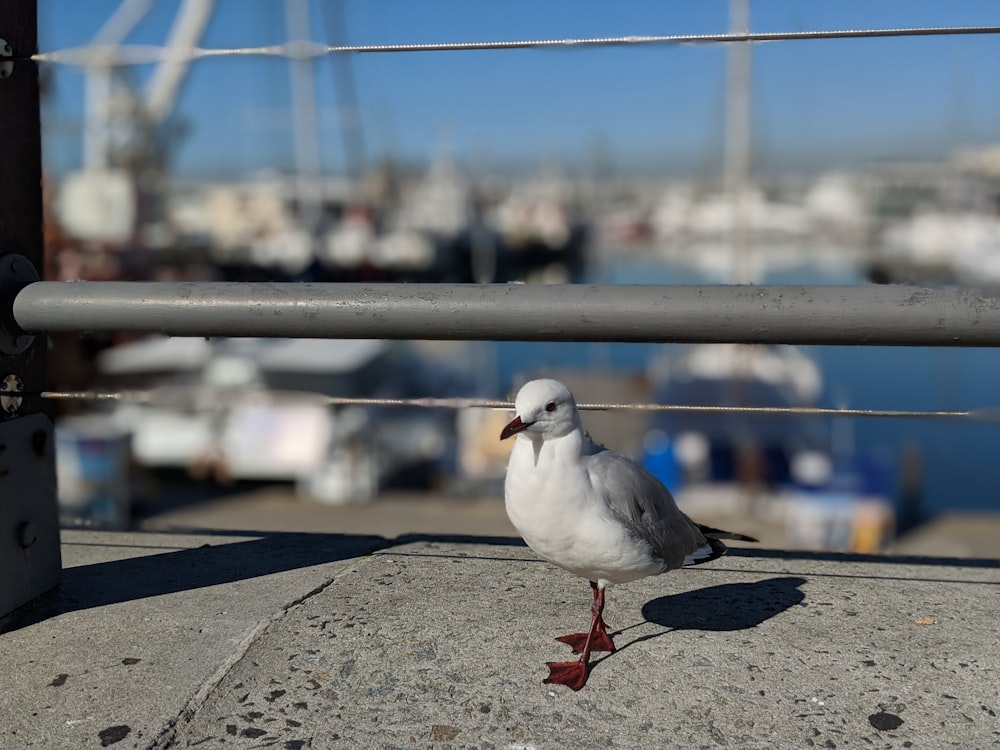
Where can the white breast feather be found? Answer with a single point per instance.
(563, 519)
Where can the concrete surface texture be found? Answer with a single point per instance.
(338, 641)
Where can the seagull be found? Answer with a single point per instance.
(593, 512)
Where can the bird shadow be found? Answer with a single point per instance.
(724, 608)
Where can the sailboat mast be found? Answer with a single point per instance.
(737, 145)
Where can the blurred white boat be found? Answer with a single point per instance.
(258, 409)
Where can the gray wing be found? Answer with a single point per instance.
(644, 506)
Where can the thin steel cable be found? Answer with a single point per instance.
(815, 411)
(125, 55)
(171, 396)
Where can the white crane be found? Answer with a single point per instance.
(123, 129)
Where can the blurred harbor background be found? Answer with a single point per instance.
(813, 162)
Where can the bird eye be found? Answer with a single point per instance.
(551, 406)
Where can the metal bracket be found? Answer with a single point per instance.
(16, 272)
(6, 66)
(10, 401)
(29, 517)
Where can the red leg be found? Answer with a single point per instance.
(600, 639)
(574, 674)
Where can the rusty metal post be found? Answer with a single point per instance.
(29, 531)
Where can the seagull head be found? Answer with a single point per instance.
(543, 409)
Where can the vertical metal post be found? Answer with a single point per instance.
(29, 532)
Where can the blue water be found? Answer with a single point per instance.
(960, 458)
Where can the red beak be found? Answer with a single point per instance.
(513, 427)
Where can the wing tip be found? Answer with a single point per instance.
(706, 553)
(714, 547)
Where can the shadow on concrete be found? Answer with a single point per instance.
(723, 608)
(495, 541)
(728, 606)
(116, 581)
(884, 559)
(755, 552)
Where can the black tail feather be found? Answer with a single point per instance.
(710, 534)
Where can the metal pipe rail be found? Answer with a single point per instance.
(866, 315)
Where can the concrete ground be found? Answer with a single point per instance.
(318, 640)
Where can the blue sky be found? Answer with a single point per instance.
(819, 104)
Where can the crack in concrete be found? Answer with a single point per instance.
(168, 737)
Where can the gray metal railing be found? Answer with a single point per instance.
(869, 315)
